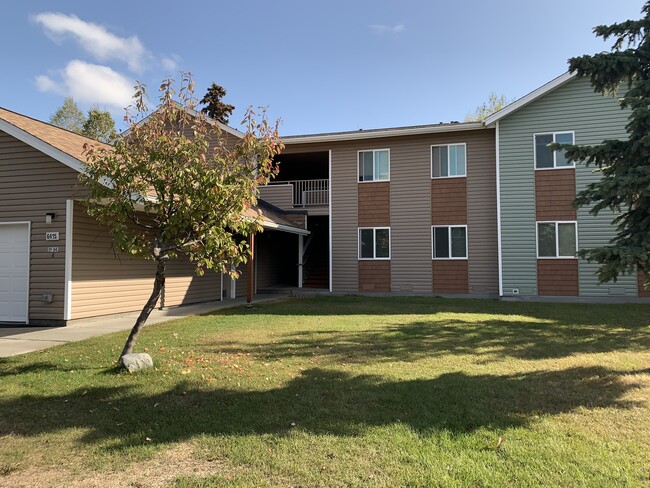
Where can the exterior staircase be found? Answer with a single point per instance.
(316, 262)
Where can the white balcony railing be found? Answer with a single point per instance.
(308, 193)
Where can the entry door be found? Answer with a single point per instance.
(14, 272)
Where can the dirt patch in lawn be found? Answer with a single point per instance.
(160, 471)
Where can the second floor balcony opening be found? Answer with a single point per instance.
(308, 176)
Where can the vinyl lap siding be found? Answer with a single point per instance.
(31, 184)
(410, 209)
(483, 264)
(104, 282)
(571, 107)
(410, 213)
(344, 231)
(279, 195)
(517, 180)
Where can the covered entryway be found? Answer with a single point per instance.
(14, 271)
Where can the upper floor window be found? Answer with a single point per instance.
(448, 160)
(449, 241)
(545, 157)
(374, 165)
(556, 240)
(374, 243)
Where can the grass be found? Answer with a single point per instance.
(346, 391)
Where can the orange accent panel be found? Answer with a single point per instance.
(642, 291)
(448, 201)
(557, 277)
(374, 275)
(374, 204)
(450, 276)
(555, 190)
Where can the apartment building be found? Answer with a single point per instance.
(479, 209)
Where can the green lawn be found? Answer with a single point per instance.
(345, 391)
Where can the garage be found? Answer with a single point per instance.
(14, 271)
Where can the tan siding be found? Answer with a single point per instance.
(483, 264)
(104, 282)
(410, 208)
(279, 195)
(448, 201)
(374, 204)
(374, 276)
(555, 190)
(450, 276)
(229, 140)
(557, 277)
(31, 184)
(241, 285)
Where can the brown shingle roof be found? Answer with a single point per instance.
(61, 139)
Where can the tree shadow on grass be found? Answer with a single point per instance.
(618, 315)
(440, 326)
(422, 339)
(7, 370)
(319, 401)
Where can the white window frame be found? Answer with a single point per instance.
(557, 238)
(373, 151)
(450, 258)
(447, 145)
(374, 247)
(555, 166)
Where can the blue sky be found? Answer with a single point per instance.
(319, 66)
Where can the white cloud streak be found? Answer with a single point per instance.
(90, 83)
(394, 30)
(171, 62)
(95, 39)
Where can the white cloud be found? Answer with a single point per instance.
(95, 39)
(171, 62)
(388, 29)
(90, 83)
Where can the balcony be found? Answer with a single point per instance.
(304, 193)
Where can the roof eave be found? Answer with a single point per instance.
(41, 145)
(352, 136)
(531, 97)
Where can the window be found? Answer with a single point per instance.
(449, 242)
(374, 243)
(545, 158)
(449, 160)
(556, 240)
(374, 165)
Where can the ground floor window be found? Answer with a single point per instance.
(374, 243)
(449, 241)
(557, 239)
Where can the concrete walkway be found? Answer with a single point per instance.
(21, 340)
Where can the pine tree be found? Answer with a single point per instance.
(214, 107)
(624, 164)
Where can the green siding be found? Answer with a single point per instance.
(571, 107)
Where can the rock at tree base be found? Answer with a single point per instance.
(136, 362)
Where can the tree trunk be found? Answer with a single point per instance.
(158, 286)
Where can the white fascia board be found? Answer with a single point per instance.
(42, 146)
(285, 228)
(376, 134)
(531, 97)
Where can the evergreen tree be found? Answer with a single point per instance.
(214, 107)
(624, 164)
(68, 116)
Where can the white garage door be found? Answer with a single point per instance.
(14, 272)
